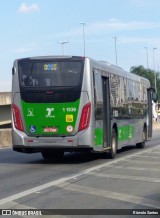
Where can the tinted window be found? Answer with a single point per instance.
(50, 73)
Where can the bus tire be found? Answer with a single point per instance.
(114, 145)
(52, 154)
(142, 144)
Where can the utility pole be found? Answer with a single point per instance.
(115, 43)
(154, 70)
(146, 55)
(62, 44)
(84, 47)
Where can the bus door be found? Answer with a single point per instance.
(102, 110)
(106, 112)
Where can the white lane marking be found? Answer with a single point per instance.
(149, 156)
(126, 177)
(142, 161)
(156, 151)
(108, 194)
(137, 168)
(64, 179)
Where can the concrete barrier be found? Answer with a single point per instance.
(5, 108)
(5, 98)
(6, 135)
(5, 138)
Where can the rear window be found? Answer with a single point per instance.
(50, 73)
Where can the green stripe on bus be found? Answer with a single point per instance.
(98, 137)
(125, 132)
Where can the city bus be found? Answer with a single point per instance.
(70, 103)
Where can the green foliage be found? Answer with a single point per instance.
(148, 74)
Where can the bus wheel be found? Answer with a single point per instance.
(52, 154)
(114, 145)
(142, 144)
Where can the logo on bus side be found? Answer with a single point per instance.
(69, 118)
(30, 112)
(49, 112)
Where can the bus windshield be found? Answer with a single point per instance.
(54, 73)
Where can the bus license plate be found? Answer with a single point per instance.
(50, 129)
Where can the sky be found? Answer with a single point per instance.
(34, 28)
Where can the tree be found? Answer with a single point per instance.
(148, 74)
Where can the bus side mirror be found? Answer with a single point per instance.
(153, 94)
(154, 97)
(13, 71)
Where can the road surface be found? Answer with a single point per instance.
(83, 181)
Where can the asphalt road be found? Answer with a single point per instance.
(83, 181)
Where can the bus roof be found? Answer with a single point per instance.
(103, 65)
(116, 70)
